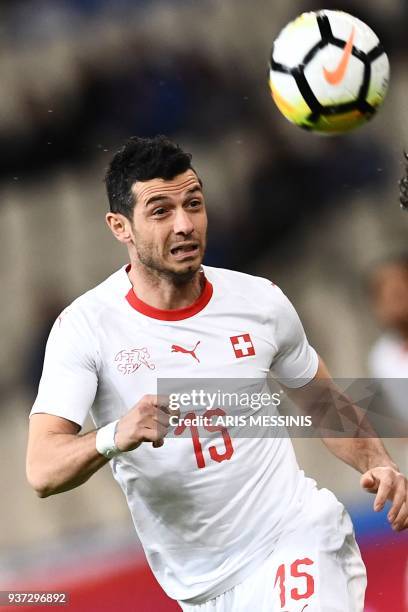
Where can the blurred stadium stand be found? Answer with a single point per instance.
(78, 77)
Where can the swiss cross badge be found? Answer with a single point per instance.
(242, 345)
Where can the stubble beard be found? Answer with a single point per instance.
(157, 270)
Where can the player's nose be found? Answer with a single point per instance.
(182, 223)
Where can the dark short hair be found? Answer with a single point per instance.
(403, 185)
(142, 159)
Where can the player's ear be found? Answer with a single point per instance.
(119, 226)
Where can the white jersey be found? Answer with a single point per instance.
(206, 520)
(388, 362)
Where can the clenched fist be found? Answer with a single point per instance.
(147, 421)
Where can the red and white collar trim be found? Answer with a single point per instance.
(176, 314)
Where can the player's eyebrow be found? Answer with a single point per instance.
(194, 189)
(162, 197)
(157, 198)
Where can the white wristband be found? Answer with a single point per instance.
(105, 440)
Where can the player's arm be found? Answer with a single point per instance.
(365, 451)
(321, 397)
(59, 459)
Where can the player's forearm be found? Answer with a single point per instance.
(361, 453)
(61, 462)
(354, 440)
(359, 444)
(363, 449)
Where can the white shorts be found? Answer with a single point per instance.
(315, 568)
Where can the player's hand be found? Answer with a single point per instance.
(147, 421)
(389, 484)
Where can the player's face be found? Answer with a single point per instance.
(169, 225)
(390, 284)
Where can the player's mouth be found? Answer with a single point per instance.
(184, 250)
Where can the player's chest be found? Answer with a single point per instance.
(210, 347)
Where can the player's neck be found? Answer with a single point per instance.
(163, 293)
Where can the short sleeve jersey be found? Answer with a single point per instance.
(205, 521)
(388, 362)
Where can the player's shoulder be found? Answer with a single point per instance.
(235, 280)
(257, 289)
(110, 292)
(381, 350)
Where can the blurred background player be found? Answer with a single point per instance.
(388, 286)
(388, 360)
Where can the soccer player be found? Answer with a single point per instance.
(227, 524)
(388, 290)
(388, 286)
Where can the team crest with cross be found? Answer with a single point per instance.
(242, 345)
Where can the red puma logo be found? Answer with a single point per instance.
(175, 348)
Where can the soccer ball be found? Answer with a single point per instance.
(328, 72)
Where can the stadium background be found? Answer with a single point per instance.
(80, 76)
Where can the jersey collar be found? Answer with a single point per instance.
(176, 314)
